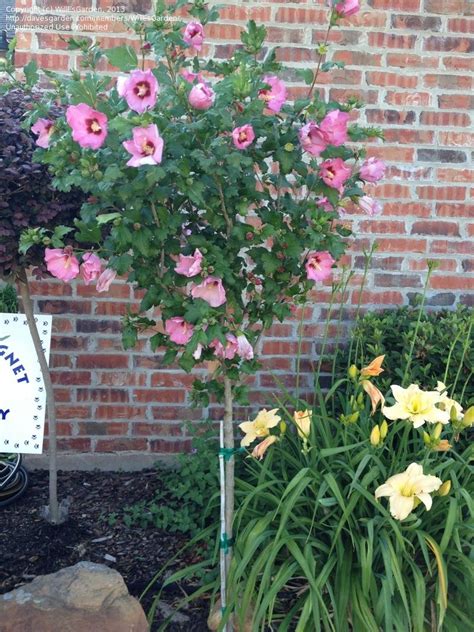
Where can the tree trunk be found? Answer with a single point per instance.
(53, 513)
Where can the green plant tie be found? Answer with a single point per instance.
(226, 542)
(228, 453)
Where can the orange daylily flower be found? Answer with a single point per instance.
(374, 368)
(443, 446)
(375, 395)
(259, 451)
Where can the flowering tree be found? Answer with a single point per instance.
(217, 196)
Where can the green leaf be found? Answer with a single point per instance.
(122, 57)
(31, 73)
(105, 218)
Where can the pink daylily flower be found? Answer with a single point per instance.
(105, 280)
(189, 266)
(179, 330)
(312, 138)
(146, 147)
(345, 8)
(334, 173)
(370, 206)
(43, 128)
(372, 170)
(274, 97)
(90, 267)
(62, 263)
(194, 35)
(191, 77)
(334, 127)
(201, 97)
(210, 290)
(89, 127)
(243, 136)
(139, 89)
(319, 265)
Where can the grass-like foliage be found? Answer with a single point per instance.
(316, 551)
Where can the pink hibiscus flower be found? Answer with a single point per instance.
(139, 89)
(319, 265)
(370, 206)
(61, 263)
(275, 96)
(189, 266)
(334, 173)
(334, 127)
(243, 136)
(179, 330)
(90, 267)
(105, 280)
(191, 77)
(201, 96)
(210, 290)
(345, 8)
(312, 138)
(146, 147)
(43, 128)
(372, 170)
(194, 35)
(229, 351)
(89, 127)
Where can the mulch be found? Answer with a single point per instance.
(29, 546)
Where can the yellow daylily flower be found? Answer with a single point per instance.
(416, 406)
(303, 422)
(260, 449)
(260, 426)
(375, 395)
(374, 368)
(446, 403)
(375, 436)
(407, 489)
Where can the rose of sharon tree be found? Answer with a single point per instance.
(217, 196)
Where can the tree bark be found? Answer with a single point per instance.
(48, 384)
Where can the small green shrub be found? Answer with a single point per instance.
(8, 300)
(184, 501)
(443, 347)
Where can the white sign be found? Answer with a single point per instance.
(22, 391)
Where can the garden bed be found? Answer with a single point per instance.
(29, 546)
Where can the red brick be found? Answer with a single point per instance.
(446, 119)
(145, 429)
(448, 82)
(441, 193)
(382, 227)
(458, 282)
(392, 79)
(448, 44)
(121, 445)
(397, 280)
(461, 25)
(458, 63)
(391, 40)
(447, 265)
(409, 136)
(243, 14)
(169, 447)
(395, 5)
(116, 411)
(458, 139)
(378, 298)
(408, 98)
(402, 245)
(298, 15)
(455, 175)
(165, 395)
(435, 227)
(102, 361)
(416, 22)
(358, 58)
(116, 378)
(73, 412)
(455, 210)
(447, 6)
(409, 60)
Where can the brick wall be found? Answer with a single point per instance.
(412, 62)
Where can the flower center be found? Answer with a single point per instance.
(407, 490)
(93, 126)
(148, 148)
(242, 137)
(265, 95)
(142, 89)
(261, 429)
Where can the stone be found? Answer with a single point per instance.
(86, 597)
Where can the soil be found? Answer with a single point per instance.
(29, 546)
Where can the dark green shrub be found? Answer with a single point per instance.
(442, 351)
(8, 300)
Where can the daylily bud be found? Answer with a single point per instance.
(453, 414)
(445, 488)
(468, 419)
(283, 427)
(437, 431)
(352, 419)
(360, 399)
(427, 439)
(375, 436)
(353, 372)
(383, 429)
